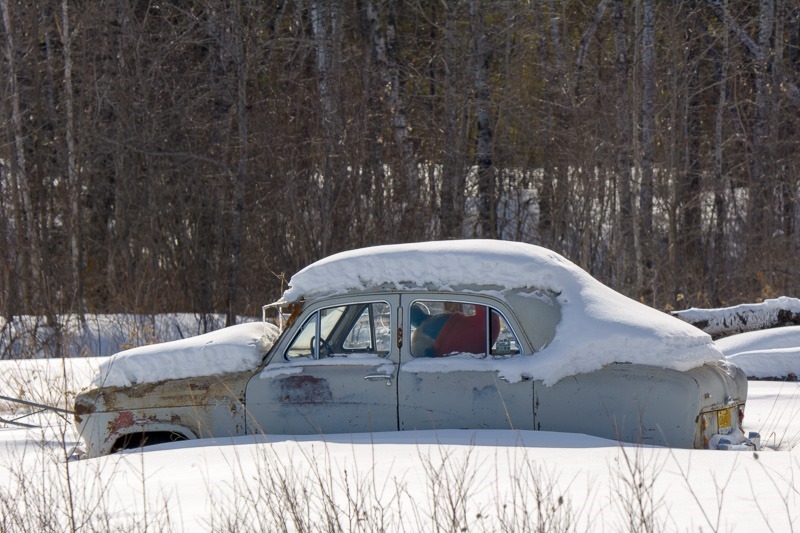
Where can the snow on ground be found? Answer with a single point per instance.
(768, 339)
(769, 364)
(770, 353)
(400, 481)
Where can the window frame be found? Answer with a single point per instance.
(315, 311)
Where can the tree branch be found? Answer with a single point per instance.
(752, 47)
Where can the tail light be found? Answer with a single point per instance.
(741, 415)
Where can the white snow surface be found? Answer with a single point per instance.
(599, 326)
(232, 349)
(768, 339)
(771, 353)
(397, 481)
(775, 363)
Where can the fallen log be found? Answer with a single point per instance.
(722, 322)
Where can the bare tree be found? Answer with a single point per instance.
(487, 194)
(191, 156)
(720, 176)
(73, 176)
(646, 234)
(454, 166)
(623, 164)
(383, 31)
(22, 246)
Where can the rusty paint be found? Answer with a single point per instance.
(191, 403)
(199, 392)
(294, 308)
(123, 420)
(304, 389)
(82, 408)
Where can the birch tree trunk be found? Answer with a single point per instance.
(73, 176)
(384, 48)
(324, 25)
(586, 39)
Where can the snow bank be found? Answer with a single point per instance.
(768, 339)
(771, 353)
(598, 325)
(775, 363)
(233, 349)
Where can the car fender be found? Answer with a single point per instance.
(125, 424)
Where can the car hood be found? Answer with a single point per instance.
(239, 348)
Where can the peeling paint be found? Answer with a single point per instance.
(198, 392)
(82, 409)
(304, 389)
(124, 419)
(483, 392)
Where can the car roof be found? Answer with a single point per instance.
(596, 325)
(477, 264)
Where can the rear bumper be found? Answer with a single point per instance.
(735, 441)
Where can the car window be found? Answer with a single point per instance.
(362, 327)
(441, 327)
(371, 331)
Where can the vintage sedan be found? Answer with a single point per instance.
(475, 334)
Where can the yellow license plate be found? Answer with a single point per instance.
(723, 419)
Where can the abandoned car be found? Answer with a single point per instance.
(475, 334)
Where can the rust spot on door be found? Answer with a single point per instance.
(304, 389)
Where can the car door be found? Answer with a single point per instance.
(334, 371)
(452, 349)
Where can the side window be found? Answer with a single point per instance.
(362, 327)
(441, 327)
(371, 331)
(303, 343)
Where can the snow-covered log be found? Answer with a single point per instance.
(777, 312)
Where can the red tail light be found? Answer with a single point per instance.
(741, 416)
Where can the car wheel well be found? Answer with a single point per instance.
(146, 438)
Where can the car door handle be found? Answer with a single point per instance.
(373, 377)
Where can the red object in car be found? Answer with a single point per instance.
(466, 333)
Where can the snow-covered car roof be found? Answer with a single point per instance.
(598, 325)
(441, 265)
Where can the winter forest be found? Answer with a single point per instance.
(162, 156)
